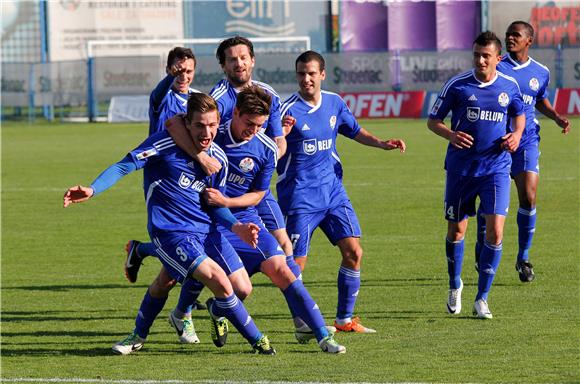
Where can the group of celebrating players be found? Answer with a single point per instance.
(213, 222)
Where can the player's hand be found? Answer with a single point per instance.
(461, 140)
(563, 123)
(215, 197)
(175, 69)
(247, 232)
(511, 142)
(77, 194)
(394, 143)
(287, 124)
(209, 164)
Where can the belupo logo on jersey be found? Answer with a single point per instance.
(188, 181)
(247, 164)
(503, 99)
(534, 84)
(472, 113)
(309, 146)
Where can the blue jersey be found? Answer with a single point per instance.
(226, 95)
(482, 111)
(307, 181)
(174, 184)
(164, 103)
(533, 79)
(251, 163)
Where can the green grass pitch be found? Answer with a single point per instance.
(65, 301)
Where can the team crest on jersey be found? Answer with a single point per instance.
(436, 106)
(247, 164)
(146, 154)
(309, 146)
(332, 121)
(472, 113)
(503, 99)
(534, 84)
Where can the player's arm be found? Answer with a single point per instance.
(104, 181)
(160, 91)
(215, 197)
(458, 139)
(178, 131)
(546, 109)
(366, 138)
(247, 232)
(511, 141)
(281, 144)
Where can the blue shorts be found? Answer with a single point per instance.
(182, 252)
(270, 212)
(337, 223)
(461, 192)
(526, 159)
(252, 258)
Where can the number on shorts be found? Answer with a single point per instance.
(294, 239)
(449, 211)
(181, 253)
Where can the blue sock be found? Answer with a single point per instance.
(233, 309)
(294, 267)
(454, 253)
(150, 308)
(348, 287)
(301, 303)
(488, 264)
(480, 233)
(526, 228)
(190, 291)
(146, 249)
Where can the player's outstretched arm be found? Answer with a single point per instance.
(458, 139)
(545, 107)
(215, 197)
(77, 194)
(366, 138)
(178, 131)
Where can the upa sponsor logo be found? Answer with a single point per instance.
(472, 114)
(234, 178)
(309, 146)
(503, 99)
(385, 104)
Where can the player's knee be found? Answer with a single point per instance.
(161, 286)
(494, 236)
(352, 257)
(243, 290)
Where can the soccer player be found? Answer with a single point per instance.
(182, 230)
(533, 79)
(309, 192)
(477, 161)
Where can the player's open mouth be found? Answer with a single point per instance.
(205, 142)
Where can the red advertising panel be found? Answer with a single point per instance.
(379, 105)
(567, 101)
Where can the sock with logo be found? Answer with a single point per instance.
(480, 233)
(348, 287)
(526, 228)
(301, 303)
(233, 309)
(146, 249)
(488, 264)
(294, 267)
(454, 251)
(150, 308)
(190, 291)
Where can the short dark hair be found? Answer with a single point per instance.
(487, 38)
(308, 56)
(180, 53)
(202, 103)
(232, 42)
(527, 26)
(253, 100)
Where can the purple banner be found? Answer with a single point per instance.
(363, 26)
(412, 25)
(458, 24)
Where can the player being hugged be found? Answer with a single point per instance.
(182, 229)
(478, 161)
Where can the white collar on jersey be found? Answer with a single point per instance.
(518, 65)
(481, 83)
(314, 107)
(233, 142)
